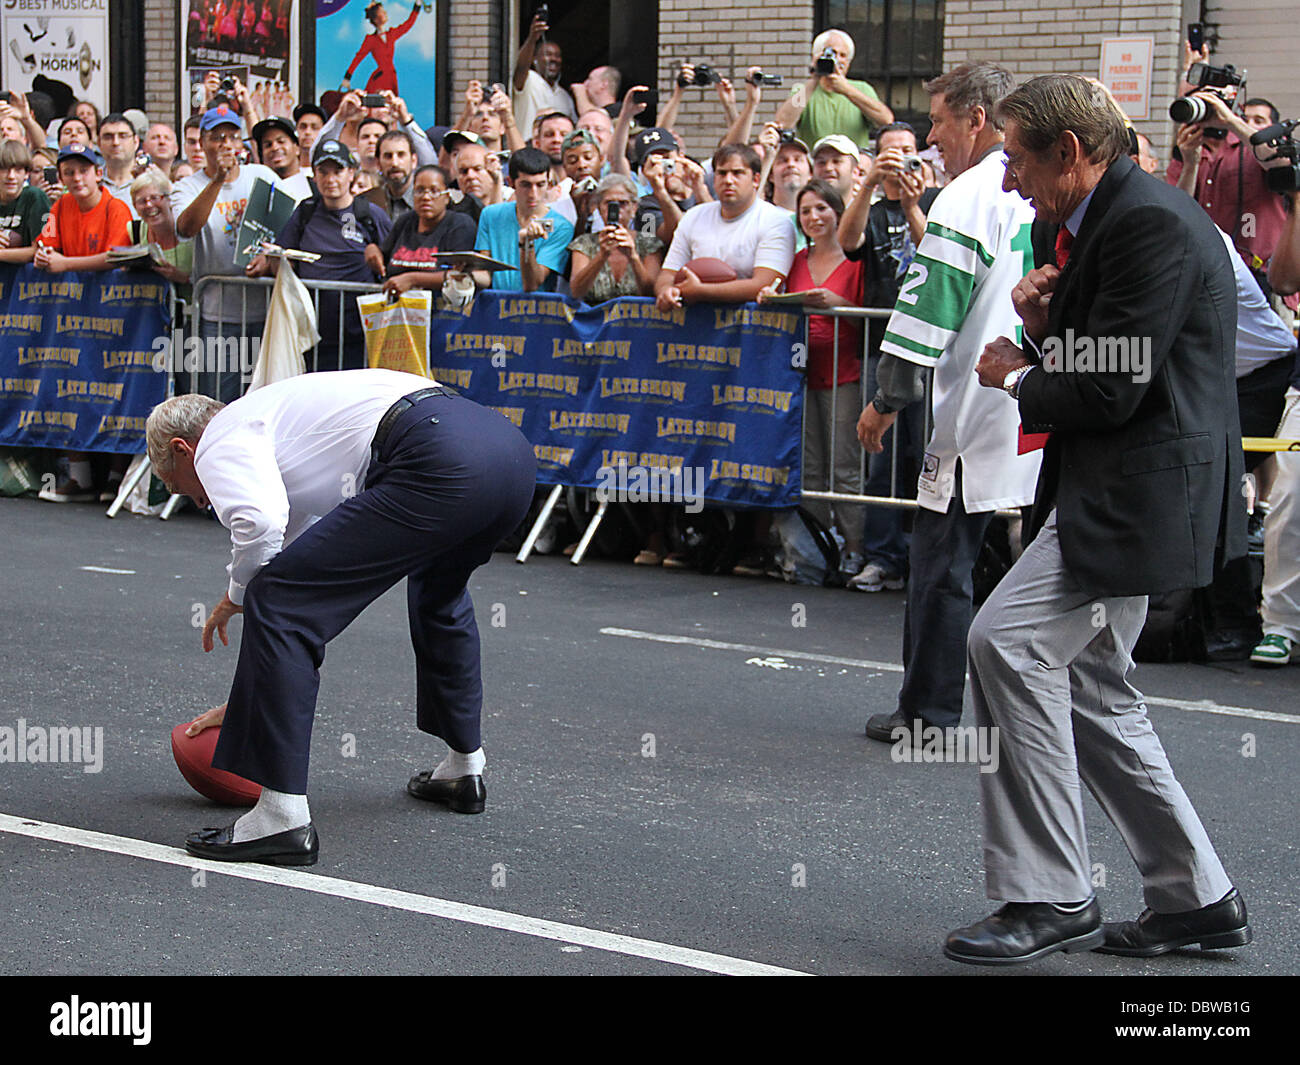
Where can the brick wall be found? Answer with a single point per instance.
(473, 46)
(730, 36)
(160, 74)
(1064, 37)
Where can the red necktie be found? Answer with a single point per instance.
(1028, 442)
(1064, 241)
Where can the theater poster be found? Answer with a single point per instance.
(59, 48)
(254, 40)
(370, 47)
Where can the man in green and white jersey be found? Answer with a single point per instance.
(955, 299)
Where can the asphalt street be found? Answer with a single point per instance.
(673, 758)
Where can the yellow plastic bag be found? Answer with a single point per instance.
(397, 332)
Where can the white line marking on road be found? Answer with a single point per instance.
(1200, 706)
(667, 953)
(105, 569)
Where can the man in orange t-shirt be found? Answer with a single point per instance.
(85, 222)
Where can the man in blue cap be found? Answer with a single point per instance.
(209, 207)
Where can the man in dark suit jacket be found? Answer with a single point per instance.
(1128, 363)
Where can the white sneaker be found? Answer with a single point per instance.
(876, 578)
(851, 564)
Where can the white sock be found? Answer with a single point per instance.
(457, 765)
(275, 812)
(79, 471)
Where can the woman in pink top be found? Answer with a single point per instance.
(826, 278)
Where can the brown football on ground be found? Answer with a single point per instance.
(708, 270)
(193, 756)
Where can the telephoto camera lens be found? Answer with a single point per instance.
(1188, 109)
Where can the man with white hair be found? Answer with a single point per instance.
(334, 487)
(828, 102)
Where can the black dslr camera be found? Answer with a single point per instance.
(1224, 81)
(702, 74)
(1283, 166)
(825, 63)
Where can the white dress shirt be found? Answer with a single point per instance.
(277, 460)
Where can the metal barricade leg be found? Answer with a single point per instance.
(527, 548)
(581, 550)
(128, 486)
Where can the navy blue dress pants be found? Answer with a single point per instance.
(452, 480)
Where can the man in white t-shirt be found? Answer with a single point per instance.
(536, 85)
(209, 207)
(753, 237)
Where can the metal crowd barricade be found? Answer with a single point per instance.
(217, 349)
(864, 314)
(893, 499)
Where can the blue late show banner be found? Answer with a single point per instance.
(77, 354)
(713, 389)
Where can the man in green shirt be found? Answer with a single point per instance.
(830, 103)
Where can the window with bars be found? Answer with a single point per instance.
(899, 46)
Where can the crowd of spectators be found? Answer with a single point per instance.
(591, 191)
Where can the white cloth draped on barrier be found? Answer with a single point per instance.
(290, 331)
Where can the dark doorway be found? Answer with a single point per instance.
(594, 33)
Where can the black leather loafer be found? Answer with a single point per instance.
(1219, 925)
(465, 795)
(298, 846)
(881, 726)
(1025, 931)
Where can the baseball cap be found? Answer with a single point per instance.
(83, 152)
(655, 139)
(459, 136)
(221, 115)
(335, 151)
(309, 109)
(838, 143)
(578, 138)
(274, 122)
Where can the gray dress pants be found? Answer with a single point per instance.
(1049, 667)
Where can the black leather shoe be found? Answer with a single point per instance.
(881, 726)
(465, 795)
(298, 846)
(1219, 925)
(1025, 931)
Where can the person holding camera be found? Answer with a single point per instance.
(884, 235)
(1216, 166)
(527, 233)
(828, 102)
(619, 260)
(676, 183)
(536, 81)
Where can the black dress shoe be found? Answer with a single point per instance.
(298, 846)
(881, 726)
(1219, 925)
(1025, 931)
(465, 795)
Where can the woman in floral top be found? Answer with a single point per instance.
(614, 261)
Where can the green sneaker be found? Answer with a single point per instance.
(1273, 650)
